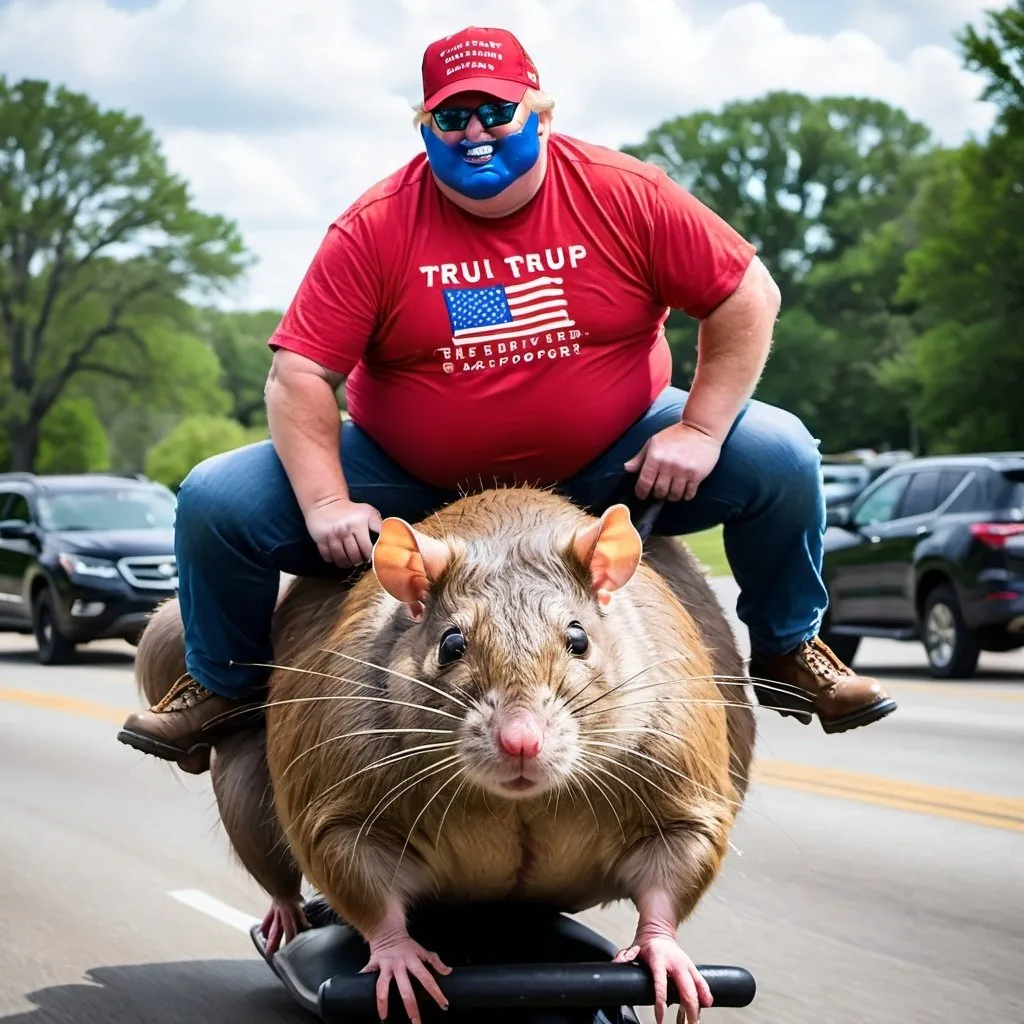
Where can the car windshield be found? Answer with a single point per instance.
(125, 508)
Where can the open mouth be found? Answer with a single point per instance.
(479, 154)
(519, 785)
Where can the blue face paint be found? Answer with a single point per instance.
(512, 157)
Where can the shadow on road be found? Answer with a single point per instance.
(166, 993)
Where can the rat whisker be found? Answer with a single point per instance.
(400, 675)
(447, 809)
(622, 782)
(690, 701)
(665, 767)
(403, 787)
(599, 786)
(344, 696)
(650, 730)
(423, 810)
(385, 762)
(650, 782)
(624, 682)
(764, 683)
(359, 732)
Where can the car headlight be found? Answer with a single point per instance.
(87, 565)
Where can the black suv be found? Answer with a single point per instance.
(83, 558)
(932, 551)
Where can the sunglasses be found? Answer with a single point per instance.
(455, 119)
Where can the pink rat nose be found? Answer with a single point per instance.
(521, 736)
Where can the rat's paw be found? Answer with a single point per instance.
(397, 958)
(283, 920)
(666, 960)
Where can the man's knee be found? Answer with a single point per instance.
(215, 500)
(780, 442)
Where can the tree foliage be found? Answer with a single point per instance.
(820, 186)
(194, 439)
(99, 244)
(965, 368)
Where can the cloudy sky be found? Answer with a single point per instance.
(281, 112)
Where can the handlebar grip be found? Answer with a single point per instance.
(510, 986)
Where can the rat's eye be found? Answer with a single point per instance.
(576, 639)
(452, 646)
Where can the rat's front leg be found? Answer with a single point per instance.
(396, 954)
(655, 943)
(370, 887)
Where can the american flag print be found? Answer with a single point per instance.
(500, 312)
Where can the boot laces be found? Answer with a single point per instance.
(822, 660)
(184, 694)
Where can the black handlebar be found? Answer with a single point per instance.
(646, 514)
(512, 986)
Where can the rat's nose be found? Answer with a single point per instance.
(521, 736)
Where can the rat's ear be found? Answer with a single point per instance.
(406, 561)
(611, 549)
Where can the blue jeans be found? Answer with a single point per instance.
(239, 526)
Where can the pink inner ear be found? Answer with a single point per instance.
(611, 548)
(405, 561)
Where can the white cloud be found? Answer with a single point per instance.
(280, 114)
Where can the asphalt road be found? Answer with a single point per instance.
(878, 876)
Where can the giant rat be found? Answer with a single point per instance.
(504, 650)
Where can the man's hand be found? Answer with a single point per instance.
(673, 462)
(341, 529)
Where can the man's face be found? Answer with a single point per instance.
(482, 144)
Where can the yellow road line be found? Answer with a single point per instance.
(69, 705)
(938, 801)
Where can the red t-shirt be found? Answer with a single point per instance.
(513, 349)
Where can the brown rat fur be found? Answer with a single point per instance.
(377, 813)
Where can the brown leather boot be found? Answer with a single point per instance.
(184, 725)
(811, 679)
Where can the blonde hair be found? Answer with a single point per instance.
(535, 100)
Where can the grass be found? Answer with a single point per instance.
(707, 547)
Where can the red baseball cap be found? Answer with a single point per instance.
(477, 59)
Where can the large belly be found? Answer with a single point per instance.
(449, 431)
(562, 863)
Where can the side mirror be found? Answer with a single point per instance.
(16, 529)
(838, 517)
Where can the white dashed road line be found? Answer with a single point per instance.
(206, 904)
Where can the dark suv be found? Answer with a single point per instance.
(83, 557)
(932, 551)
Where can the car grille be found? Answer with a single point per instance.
(150, 572)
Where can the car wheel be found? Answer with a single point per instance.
(951, 647)
(54, 648)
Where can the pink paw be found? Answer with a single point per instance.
(282, 921)
(397, 958)
(666, 959)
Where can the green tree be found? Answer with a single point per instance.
(966, 369)
(820, 186)
(184, 376)
(239, 339)
(195, 438)
(72, 439)
(99, 244)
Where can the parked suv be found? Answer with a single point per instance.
(83, 557)
(932, 551)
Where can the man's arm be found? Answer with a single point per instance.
(304, 421)
(732, 348)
